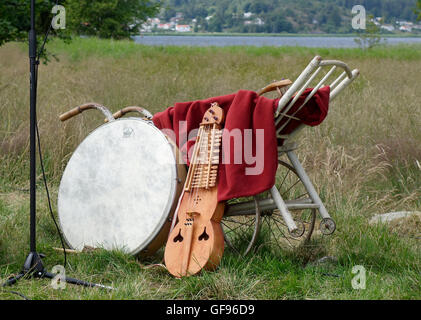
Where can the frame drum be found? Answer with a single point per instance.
(120, 188)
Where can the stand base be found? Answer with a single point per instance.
(34, 268)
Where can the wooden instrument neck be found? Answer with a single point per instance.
(205, 160)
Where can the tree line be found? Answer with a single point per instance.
(293, 16)
(102, 18)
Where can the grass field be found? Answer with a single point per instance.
(364, 160)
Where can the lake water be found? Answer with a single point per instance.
(222, 41)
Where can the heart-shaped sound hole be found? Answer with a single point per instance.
(178, 238)
(204, 236)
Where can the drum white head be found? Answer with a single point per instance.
(118, 187)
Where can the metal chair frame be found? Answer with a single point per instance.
(256, 206)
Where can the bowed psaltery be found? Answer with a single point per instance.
(197, 241)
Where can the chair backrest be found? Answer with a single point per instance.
(309, 74)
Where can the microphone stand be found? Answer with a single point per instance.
(33, 266)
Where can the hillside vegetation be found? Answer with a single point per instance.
(297, 16)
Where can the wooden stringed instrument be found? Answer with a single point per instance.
(197, 241)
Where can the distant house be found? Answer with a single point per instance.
(182, 28)
(389, 28)
(164, 26)
(376, 22)
(256, 21)
(247, 14)
(154, 21)
(259, 22)
(405, 28)
(150, 24)
(178, 17)
(405, 23)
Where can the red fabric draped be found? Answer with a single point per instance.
(253, 117)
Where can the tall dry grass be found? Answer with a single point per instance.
(364, 152)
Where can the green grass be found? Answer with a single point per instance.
(393, 268)
(81, 48)
(362, 160)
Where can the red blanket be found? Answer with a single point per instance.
(248, 167)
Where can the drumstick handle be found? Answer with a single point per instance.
(69, 114)
(145, 113)
(91, 105)
(275, 86)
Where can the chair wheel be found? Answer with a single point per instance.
(299, 232)
(241, 231)
(265, 226)
(327, 226)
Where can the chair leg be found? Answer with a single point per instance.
(282, 207)
(307, 184)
